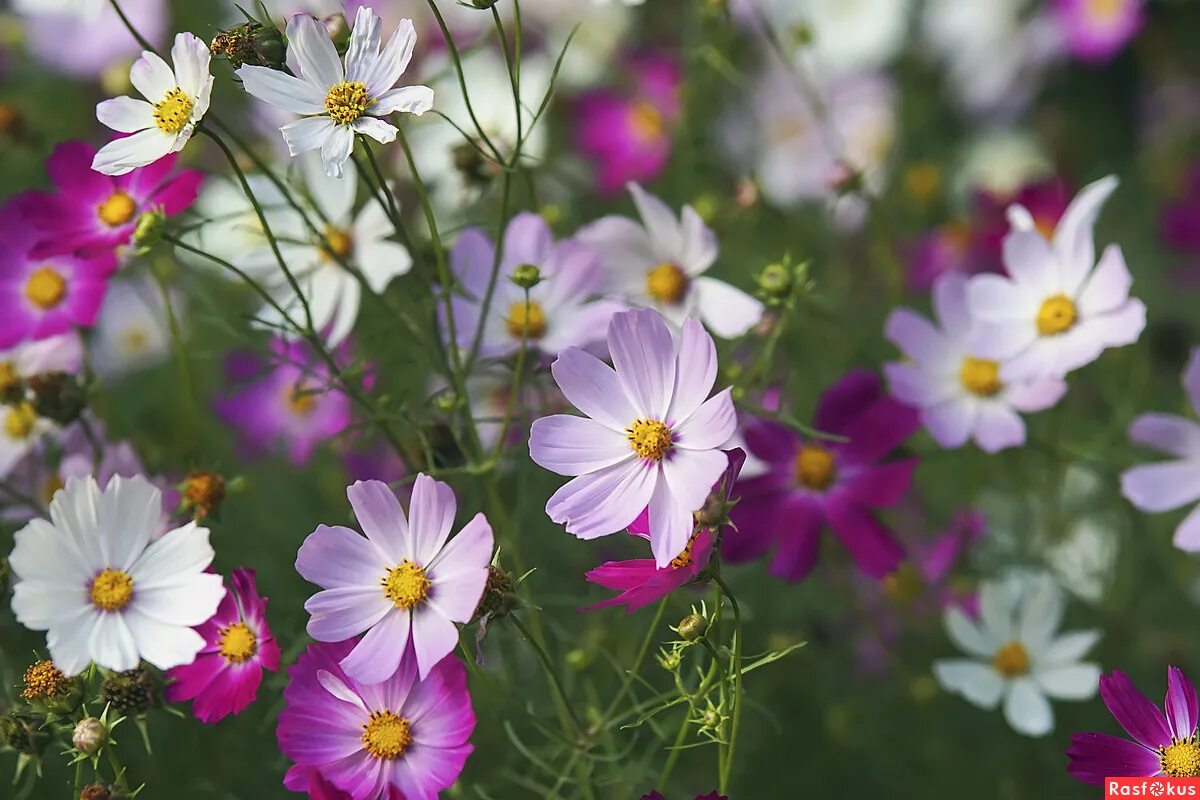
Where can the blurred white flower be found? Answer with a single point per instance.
(176, 101)
(1017, 654)
(340, 101)
(131, 333)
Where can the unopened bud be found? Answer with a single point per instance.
(89, 736)
(97, 791)
(775, 281)
(527, 276)
(149, 229)
(692, 627)
(58, 396)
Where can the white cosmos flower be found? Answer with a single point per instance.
(1016, 653)
(333, 294)
(132, 332)
(661, 264)
(176, 100)
(1058, 309)
(338, 102)
(94, 580)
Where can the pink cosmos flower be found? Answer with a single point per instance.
(63, 42)
(640, 581)
(93, 214)
(285, 401)
(815, 484)
(1167, 485)
(1096, 30)
(400, 582)
(1164, 741)
(960, 395)
(626, 132)
(562, 311)
(43, 297)
(402, 739)
(226, 674)
(1059, 309)
(1179, 219)
(651, 436)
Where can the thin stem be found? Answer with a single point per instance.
(564, 703)
(737, 683)
(182, 360)
(462, 80)
(631, 675)
(514, 394)
(141, 40)
(384, 196)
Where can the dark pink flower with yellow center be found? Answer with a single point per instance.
(401, 739)
(226, 674)
(93, 214)
(46, 296)
(1164, 741)
(626, 131)
(811, 484)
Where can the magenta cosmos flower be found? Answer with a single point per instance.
(1096, 30)
(226, 674)
(650, 438)
(563, 309)
(627, 132)
(93, 214)
(285, 401)
(402, 739)
(1164, 742)
(43, 297)
(811, 484)
(639, 581)
(401, 582)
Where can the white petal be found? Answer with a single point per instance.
(365, 38)
(666, 236)
(164, 646)
(377, 129)
(314, 52)
(409, 99)
(307, 134)
(68, 642)
(1071, 682)
(152, 76)
(1027, 709)
(335, 151)
(977, 682)
(282, 90)
(393, 60)
(183, 551)
(191, 58)
(726, 310)
(111, 643)
(968, 636)
(125, 114)
(122, 156)
(1073, 239)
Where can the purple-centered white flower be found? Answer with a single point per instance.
(960, 395)
(1167, 485)
(1059, 309)
(651, 437)
(402, 582)
(661, 264)
(340, 101)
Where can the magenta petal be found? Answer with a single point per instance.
(1096, 756)
(1180, 705)
(881, 486)
(870, 544)
(842, 403)
(1137, 715)
(798, 532)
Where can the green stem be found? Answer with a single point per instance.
(141, 40)
(514, 394)
(462, 79)
(643, 651)
(737, 683)
(565, 710)
(182, 360)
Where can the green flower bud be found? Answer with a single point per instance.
(149, 229)
(21, 730)
(527, 276)
(776, 281)
(89, 736)
(692, 627)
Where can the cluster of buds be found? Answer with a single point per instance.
(255, 43)
(201, 493)
(131, 693)
(781, 282)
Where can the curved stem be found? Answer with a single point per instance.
(737, 683)
(141, 40)
(563, 702)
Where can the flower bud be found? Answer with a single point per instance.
(471, 164)
(58, 396)
(339, 31)
(131, 693)
(775, 281)
(692, 627)
(89, 736)
(22, 731)
(97, 791)
(201, 493)
(149, 229)
(499, 595)
(46, 688)
(527, 276)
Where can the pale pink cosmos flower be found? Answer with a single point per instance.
(1058, 309)
(960, 395)
(651, 437)
(1167, 485)
(403, 581)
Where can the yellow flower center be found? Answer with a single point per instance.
(135, 341)
(386, 735)
(666, 283)
(526, 319)
(19, 421)
(237, 643)
(43, 680)
(118, 209)
(815, 467)
(649, 438)
(1011, 660)
(8, 376)
(338, 244)
(647, 122)
(1103, 11)
(347, 101)
(300, 401)
(406, 585)
(45, 288)
(174, 111)
(685, 558)
(1181, 758)
(980, 376)
(1057, 315)
(112, 590)
(923, 181)
(50, 487)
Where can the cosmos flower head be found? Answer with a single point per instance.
(404, 580)
(1097, 30)
(1016, 654)
(811, 484)
(563, 309)
(961, 396)
(661, 262)
(651, 436)
(402, 737)
(91, 214)
(176, 99)
(1165, 741)
(105, 590)
(224, 678)
(340, 100)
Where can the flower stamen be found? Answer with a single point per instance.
(815, 467)
(111, 590)
(1011, 660)
(238, 643)
(526, 320)
(406, 585)
(45, 288)
(1057, 315)
(666, 283)
(173, 113)
(386, 735)
(347, 101)
(118, 209)
(1181, 758)
(980, 376)
(649, 438)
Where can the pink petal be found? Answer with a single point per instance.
(710, 426)
(695, 371)
(570, 445)
(382, 519)
(593, 387)
(1162, 486)
(643, 352)
(430, 515)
